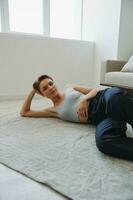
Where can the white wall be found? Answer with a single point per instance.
(125, 45)
(101, 24)
(23, 58)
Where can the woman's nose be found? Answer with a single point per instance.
(50, 86)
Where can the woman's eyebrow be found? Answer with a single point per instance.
(47, 84)
(44, 86)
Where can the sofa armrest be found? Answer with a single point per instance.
(110, 66)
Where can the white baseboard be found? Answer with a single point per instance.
(14, 97)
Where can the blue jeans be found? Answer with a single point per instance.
(110, 110)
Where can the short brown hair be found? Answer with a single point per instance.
(38, 81)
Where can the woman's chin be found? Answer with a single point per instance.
(54, 94)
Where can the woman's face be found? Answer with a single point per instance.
(48, 88)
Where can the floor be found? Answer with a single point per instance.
(15, 186)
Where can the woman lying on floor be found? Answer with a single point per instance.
(108, 109)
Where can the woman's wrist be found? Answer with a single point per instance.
(33, 91)
(86, 98)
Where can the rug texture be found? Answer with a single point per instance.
(63, 156)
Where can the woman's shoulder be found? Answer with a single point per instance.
(69, 88)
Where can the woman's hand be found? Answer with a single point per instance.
(83, 106)
(83, 110)
(37, 92)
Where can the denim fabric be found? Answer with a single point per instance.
(97, 108)
(110, 110)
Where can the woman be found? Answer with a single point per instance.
(108, 109)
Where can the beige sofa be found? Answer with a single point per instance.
(111, 75)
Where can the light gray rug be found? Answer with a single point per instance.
(63, 156)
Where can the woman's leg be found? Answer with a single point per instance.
(118, 105)
(111, 139)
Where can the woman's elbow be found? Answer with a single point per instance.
(23, 114)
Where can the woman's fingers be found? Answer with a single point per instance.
(83, 113)
(83, 109)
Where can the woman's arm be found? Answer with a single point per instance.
(91, 94)
(27, 112)
(83, 106)
(82, 89)
(27, 103)
(88, 92)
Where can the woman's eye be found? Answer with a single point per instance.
(51, 83)
(45, 88)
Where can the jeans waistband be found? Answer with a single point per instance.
(96, 108)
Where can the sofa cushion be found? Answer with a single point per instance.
(128, 67)
(119, 78)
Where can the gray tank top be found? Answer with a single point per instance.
(68, 108)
